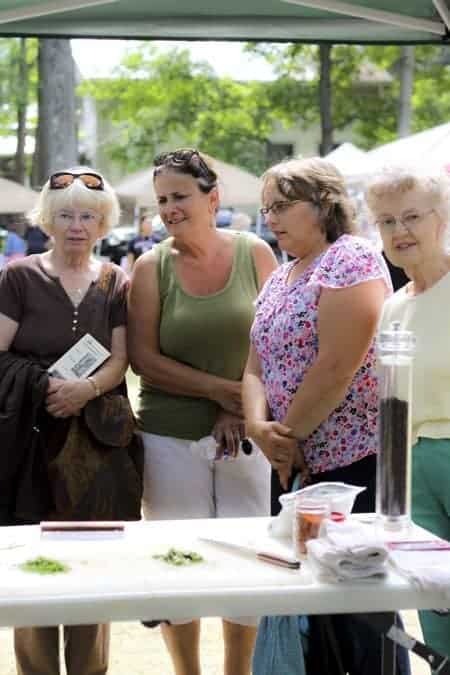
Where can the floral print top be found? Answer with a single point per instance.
(284, 335)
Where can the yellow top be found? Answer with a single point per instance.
(428, 316)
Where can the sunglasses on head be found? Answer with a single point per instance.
(62, 179)
(184, 157)
(181, 156)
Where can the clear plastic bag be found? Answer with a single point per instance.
(340, 496)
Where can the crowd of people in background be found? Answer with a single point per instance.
(232, 347)
(16, 245)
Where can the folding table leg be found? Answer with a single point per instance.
(388, 647)
(381, 623)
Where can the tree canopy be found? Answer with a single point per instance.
(13, 93)
(155, 97)
(365, 87)
(158, 98)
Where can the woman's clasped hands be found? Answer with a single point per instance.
(281, 448)
(66, 398)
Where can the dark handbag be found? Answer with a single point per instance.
(110, 419)
(97, 475)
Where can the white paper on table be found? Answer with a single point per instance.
(84, 535)
(411, 560)
(80, 360)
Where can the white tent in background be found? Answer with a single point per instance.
(15, 198)
(428, 150)
(238, 188)
(347, 158)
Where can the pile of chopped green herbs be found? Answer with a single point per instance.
(176, 556)
(43, 565)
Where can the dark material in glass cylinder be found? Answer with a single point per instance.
(394, 441)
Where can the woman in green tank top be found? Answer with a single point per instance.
(191, 307)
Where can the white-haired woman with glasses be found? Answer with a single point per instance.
(310, 387)
(68, 456)
(412, 211)
(191, 308)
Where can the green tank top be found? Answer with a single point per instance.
(209, 333)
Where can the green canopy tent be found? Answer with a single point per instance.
(357, 21)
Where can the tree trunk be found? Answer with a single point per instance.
(22, 105)
(326, 117)
(56, 134)
(406, 91)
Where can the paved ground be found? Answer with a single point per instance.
(136, 650)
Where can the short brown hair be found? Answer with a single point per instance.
(317, 181)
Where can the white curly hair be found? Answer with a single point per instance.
(76, 195)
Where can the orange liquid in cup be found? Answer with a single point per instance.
(307, 520)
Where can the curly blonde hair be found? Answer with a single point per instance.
(317, 181)
(78, 196)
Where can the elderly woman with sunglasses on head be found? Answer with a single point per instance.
(310, 386)
(191, 307)
(412, 211)
(71, 450)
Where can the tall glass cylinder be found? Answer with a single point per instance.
(395, 358)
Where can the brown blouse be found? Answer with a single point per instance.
(49, 323)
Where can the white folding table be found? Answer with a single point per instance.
(118, 579)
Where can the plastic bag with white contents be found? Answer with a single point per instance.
(339, 496)
(207, 448)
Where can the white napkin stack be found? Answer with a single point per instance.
(348, 550)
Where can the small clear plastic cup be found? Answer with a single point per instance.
(308, 516)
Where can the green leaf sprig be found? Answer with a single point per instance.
(178, 557)
(43, 565)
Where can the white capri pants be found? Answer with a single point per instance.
(178, 485)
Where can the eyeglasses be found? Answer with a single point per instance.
(409, 220)
(62, 179)
(277, 208)
(69, 216)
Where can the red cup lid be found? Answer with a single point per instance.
(337, 517)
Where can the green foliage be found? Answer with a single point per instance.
(158, 96)
(12, 90)
(365, 87)
(155, 97)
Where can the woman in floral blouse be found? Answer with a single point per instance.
(310, 387)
